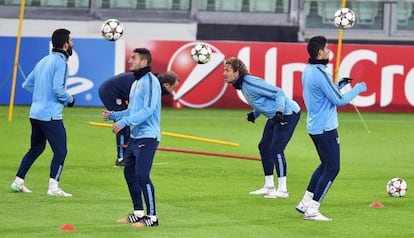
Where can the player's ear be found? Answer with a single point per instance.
(320, 52)
(144, 62)
(65, 45)
(237, 73)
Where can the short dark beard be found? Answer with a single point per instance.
(64, 52)
(69, 51)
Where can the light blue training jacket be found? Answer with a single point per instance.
(47, 85)
(143, 114)
(322, 96)
(265, 98)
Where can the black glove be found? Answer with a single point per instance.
(278, 118)
(250, 117)
(71, 104)
(343, 82)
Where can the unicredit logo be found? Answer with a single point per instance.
(201, 84)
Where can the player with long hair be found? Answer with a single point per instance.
(282, 115)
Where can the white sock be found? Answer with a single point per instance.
(19, 181)
(308, 196)
(269, 181)
(53, 184)
(282, 184)
(139, 213)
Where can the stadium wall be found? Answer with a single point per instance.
(389, 79)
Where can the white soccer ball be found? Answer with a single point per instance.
(344, 18)
(201, 53)
(397, 187)
(112, 29)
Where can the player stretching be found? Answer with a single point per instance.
(283, 115)
(321, 98)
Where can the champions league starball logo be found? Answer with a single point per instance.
(201, 84)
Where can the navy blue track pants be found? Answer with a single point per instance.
(327, 146)
(273, 143)
(55, 133)
(138, 157)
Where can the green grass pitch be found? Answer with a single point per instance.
(207, 196)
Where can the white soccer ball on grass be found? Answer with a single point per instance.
(397, 187)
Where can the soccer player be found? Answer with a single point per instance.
(47, 85)
(143, 115)
(282, 117)
(321, 98)
(114, 93)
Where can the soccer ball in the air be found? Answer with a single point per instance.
(201, 53)
(344, 18)
(112, 29)
(397, 187)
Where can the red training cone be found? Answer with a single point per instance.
(376, 204)
(67, 227)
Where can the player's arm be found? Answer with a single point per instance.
(115, 115)
(28, 84)
(272, 92)
(59, 83)
(332, 93)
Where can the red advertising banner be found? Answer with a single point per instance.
(387, 70)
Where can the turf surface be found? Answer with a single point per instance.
(207, 196)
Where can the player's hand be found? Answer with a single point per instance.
(361, 87)
(105, 114)
(116, 128)
(278, 118)
(343, 82)
(250, 117)
(72, 102)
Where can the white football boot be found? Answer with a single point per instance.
(304, 204)
(58, 193)
(263, 191)
(312, 212)
(19, 188)
(277, 194)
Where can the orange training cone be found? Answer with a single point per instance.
(376, 204)
(67, 227)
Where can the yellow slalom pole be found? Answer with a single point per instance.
(339, 47)
(107, 125)
(182, 136)
(16, 61)
(199, 139)
(338, 54)
(338, 62)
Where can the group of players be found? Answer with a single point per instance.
(133, 102)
